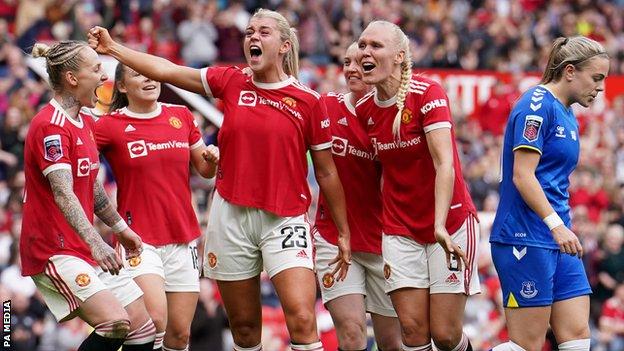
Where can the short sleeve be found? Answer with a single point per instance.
(318, 135)
(195, 136)
(51, 149)
(215, 79)
(434, 109)
(530, 126)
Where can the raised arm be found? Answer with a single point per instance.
(61, 183)
(153, 67)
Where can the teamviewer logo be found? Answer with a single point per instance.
(137, 148)
(247, 98)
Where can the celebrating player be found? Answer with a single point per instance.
(409, 122)
(257, 217)
(149, 146)
(535, 253)
(360, 174)
(77, 273)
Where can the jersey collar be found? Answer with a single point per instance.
(147, 115)
(276, 85)
(79, 123)
(347, 102)
(385, 103)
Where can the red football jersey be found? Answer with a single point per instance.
(150, 156)
(360, 175)
(408, 172)
(55, 141)
(266, 132)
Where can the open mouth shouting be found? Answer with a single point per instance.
(255, 52)
(368, 67)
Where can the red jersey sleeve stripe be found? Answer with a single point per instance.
(437, 125)
(203, 74)
(321, 146)
(199, 143)
(55, 167)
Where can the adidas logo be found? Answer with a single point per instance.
(79, 141)
(129, 128)
(343, 121)
(370, 121)
(302, 254)
(452, 279)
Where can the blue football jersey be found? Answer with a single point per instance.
(542, 123)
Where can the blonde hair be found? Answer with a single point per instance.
(401, 42)
(61, 57)
(575, 51)
(290, 63)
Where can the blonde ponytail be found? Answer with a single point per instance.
(575, 51)
(61, 57)
(406, 78)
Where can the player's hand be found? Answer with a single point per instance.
(451, 248)
(100, 40)
(131, 241)
(343, 259)
(211, 154)
(106, 257)
(568, 241)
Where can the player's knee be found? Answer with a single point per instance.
(302, 322)
(160, 320)
(388, 343)
(352, 335)
(445, 340)
(246, 333)
(115, 329)
(415, 332)
(179, 336)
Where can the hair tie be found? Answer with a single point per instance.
(565, 41)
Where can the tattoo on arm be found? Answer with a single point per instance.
(102, 206)
(61, 182)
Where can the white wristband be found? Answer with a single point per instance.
(119, 226)
(552, 221)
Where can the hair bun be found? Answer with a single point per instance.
(40, 50)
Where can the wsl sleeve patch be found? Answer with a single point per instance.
(53, 150)
(532, 125)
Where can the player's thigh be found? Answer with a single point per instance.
(241, 300)
(354, 282)
(154, 297)
(447, 314)
(181, 309)
(566, 328)
(231, 250)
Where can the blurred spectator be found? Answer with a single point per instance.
(611, 267)
(611, 327)
(198, 35)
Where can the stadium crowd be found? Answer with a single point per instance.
(504, 36)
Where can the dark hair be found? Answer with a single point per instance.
(575, 51)
(61, 57)
(119, 99)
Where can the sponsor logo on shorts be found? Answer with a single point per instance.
(175, 122)
(134, 261)
(302, 254)
(528, 290)
(387, 271)
(83, 280)
(212, 260)
(328, 280)
(406, 116)
(452, 279)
